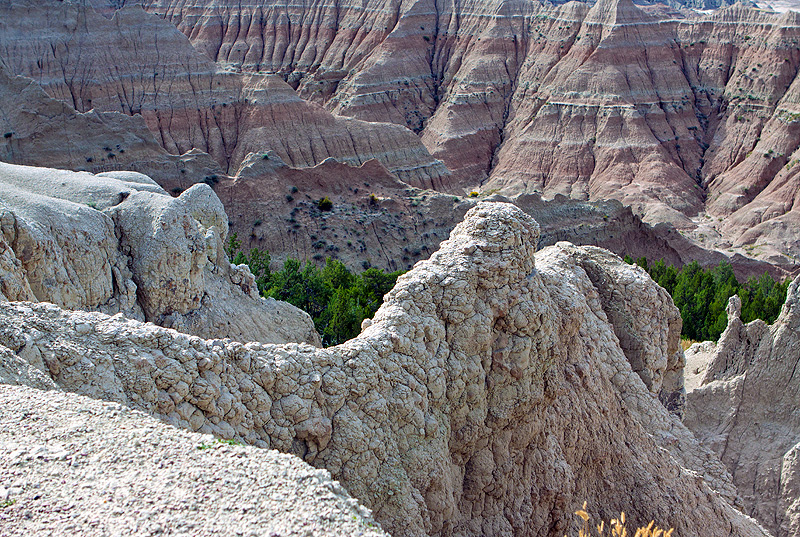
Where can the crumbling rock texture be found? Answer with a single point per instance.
(73, 465)
(489, 395)
(118, 243)
(676, 115)
(745, 410)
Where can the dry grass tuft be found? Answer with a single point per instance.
(616, 527)
(686, 343)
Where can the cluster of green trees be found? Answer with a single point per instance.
(702, 295)
(339, 300)
(336, 299)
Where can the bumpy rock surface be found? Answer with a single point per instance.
(489, 395)
(72, 465)
(746, 411)
(118, 243)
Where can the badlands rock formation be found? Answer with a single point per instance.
(489, 87)
(41, 131)
(118, 243)
(746, 411)
(494, 391)
(674, 116)
(377, 220)
(136, 63)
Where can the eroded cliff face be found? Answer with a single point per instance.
(118, 243)
(745, 409)
(489, 395)
(136, 63)
(41, 131)
(675, 116)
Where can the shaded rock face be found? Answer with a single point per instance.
(136, 63)
(745, 410)
(41, 131)
(119, 244)
(673, 116)
(489, 395)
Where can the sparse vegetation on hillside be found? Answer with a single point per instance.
(336, 299)
(702, 295)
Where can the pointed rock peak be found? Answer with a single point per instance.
(616, 12)
(790, 313)
(743, 12)
(573, 10)
(790, 18)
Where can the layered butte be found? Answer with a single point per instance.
(679, 116)
(135, 63)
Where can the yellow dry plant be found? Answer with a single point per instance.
(617, 527)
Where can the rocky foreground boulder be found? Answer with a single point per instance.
(118, 243)
(495, 390)
(71, 465)
(745, 410)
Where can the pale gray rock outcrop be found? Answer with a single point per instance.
(118, 243)
(489, 395)
(70, 465)
(745, 410)
(698, 356)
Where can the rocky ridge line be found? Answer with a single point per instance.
(745, 410)
(471, 403)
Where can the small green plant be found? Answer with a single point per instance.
(217, 441)
(325, 204)
(233, 246)
(7, 503)
(92, 204)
